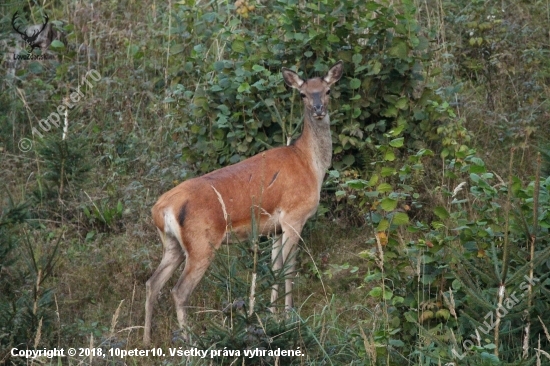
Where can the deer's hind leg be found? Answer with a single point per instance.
(172, 257)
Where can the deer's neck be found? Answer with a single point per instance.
(316, 142)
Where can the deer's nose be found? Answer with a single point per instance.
(318, 109)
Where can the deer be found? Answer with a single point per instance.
(282, 185)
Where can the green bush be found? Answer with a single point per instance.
(240, 105)
(442, 286)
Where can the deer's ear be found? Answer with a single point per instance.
(292, 79)
(335, 73)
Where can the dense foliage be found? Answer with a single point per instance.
(239, 101)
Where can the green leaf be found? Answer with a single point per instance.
(398, 142)
(388, 204)
(376, 67)
(188, 67)
(389, 155)
(401, 103)
(372, 5)
(441, 212)
(334, 173)
(391, 111)
(477, 161)
(57, 44)
(348, 160)
(209, 17)
(396, 343)
(396, 131)
(354, 83)
(90, 235)
(425, 152)
(373, 180)
(357, 183)
(400, 218)
(333, 38)
(376, 292)
(443, 313)
(371, 194)
(478, 169)
(244, 87)
(238, 46)
(411, 316)
(258, 68)
(387, 171)
(399, 50)
(491, 357)
(383, 225)
(357, 58)
(397, 300)
(384, 188)
(423, 43)
(456, 285)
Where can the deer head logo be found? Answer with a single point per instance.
(33, 40)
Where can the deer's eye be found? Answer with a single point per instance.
(302, 95)
(328, 92)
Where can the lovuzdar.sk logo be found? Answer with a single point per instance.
(36, 36)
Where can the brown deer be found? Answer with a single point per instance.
(282, 185)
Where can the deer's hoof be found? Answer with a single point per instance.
(178, 336)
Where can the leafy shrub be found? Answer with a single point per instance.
(240, 106)
(482, 245)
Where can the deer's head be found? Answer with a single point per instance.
(314, 92)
